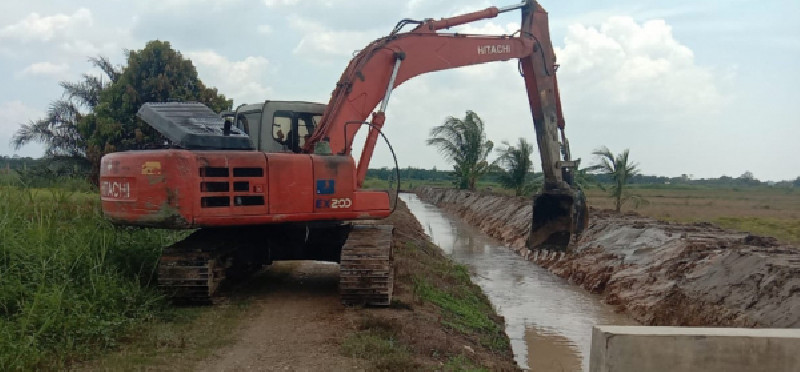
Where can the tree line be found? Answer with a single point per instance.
(463, 142)
(97, 114)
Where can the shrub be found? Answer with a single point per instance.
(71, 282)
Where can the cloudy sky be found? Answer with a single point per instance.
(701, 88)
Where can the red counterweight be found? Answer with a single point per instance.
(191, 189)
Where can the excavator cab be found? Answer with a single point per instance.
(277, 126)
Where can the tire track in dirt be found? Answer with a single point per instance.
(295, 323)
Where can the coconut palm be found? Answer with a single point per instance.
(58, 130)
(620, 168)
(517, 166)
(464, 143)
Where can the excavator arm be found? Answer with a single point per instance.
(390, 61)
(384, 64)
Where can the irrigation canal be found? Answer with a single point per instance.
(548, 320)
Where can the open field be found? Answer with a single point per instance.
(769, 211)
(763, 211)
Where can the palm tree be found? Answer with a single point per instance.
(463, 142)
(58, 130)
(517, 165)
(619, 168)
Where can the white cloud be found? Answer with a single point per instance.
(320, 40)
(487, 28)
(35, 27)
(414, 4)
(635, 67)
(277, 3)
(240, 80)
(264, 29)
(172, 5)
(16, 113)
(46, 69)
(79, 47)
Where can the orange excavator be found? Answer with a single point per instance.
(277, 180)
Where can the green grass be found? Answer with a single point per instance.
(464, 306)
(765, 211)
(72, 284)
(176, 341)
(381, 348)
(9, 178)
(465, 311)
(377, 341)
(379, 184)
(436, 313)
(462, 364)
(786, 230)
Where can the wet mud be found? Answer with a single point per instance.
(660, 273)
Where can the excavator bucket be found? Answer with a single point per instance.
(557, 217)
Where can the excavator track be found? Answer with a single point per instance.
(366, 274)
(192, 269)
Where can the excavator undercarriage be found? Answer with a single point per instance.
(194, 269)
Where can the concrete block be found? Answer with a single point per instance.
(684, 349)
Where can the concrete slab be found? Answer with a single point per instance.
(684, 349)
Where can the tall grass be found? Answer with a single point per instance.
(70, 283)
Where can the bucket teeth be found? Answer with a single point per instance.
(366, 275)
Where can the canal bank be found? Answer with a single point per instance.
(548, 320)
(660, 273)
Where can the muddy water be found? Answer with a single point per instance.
(548, 320)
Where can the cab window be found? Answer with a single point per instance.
(281, 126)
(303, 131)
(293, 129)
(242, 124)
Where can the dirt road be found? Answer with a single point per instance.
(296, 323)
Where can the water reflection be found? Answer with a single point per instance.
(550, 351)
(548, 321)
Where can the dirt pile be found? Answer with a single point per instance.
(660, 273)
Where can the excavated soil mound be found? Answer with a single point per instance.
(660, 273)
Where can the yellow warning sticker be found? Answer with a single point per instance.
(151, 168)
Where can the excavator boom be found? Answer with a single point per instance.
(389, 61)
